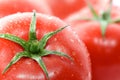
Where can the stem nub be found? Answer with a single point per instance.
(34, 47)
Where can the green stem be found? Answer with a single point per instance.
(96, 16)
(14, 39)
(42, 65)
(15, 59)
(32, 34)
(44, 40)
(104, 19)
(104, 25)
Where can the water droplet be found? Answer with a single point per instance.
(62, 57)
(14, 68)
(72, 75)
(55, 72)
(72, 40)
(72, 63)
(55, 39)
(73, 53)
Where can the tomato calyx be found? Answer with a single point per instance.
(104, 18)
(33, 48)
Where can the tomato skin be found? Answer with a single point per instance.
(63, 8)
(8, 7)
(59, 68)
(104, 53)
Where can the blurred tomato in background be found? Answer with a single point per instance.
(58, 8)
(104, 52)
(63, 8)
(8, 7)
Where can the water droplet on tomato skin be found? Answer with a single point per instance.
(62, 57)
(14, 68)
(55, 72)
(4, 76)
(72, 41)
(72, 75)
(55, 39)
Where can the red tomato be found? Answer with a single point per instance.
(104, 52)
(100, 3)
(59, 68)
(13, 6)
(62, 8)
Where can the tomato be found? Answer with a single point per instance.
(62, 8)
(8, 7)
(100, 3)
(54, 67)
(102, 46)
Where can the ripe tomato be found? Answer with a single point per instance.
(104, 50)
(13, 6)
(62, 8)
(58, 68)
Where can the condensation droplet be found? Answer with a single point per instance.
(72, 75)
(72, 40)
(62, 57)
(55, 39)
